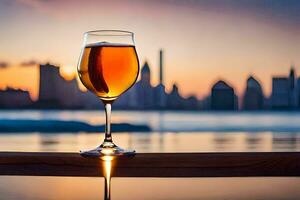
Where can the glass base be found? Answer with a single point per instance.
(107, 149)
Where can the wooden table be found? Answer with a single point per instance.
(153, 164)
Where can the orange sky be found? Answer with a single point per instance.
(202, 41)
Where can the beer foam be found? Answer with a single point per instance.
(108, 44)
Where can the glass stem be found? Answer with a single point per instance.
(108, 137)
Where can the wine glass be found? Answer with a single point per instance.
(108, 67)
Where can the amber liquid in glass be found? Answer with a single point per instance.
(108, 70)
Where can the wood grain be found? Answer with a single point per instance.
(153, 164)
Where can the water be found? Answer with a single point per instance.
(177, 120)
(172, 132)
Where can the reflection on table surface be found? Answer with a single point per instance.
(66, 188)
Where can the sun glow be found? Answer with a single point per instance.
(68, 72)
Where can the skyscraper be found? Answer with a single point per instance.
(223, 97)
(161, 75)
(144, 96)
(280, 93)
(253, 98)
(55, 91)
(160, 96)
(49, 78)
(293, 89)
(143, 89)
(284, 92)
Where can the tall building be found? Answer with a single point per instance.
(223, 97)
(280, 93)
(253, 98)
(55, 91)
(284, 92)
(143, 89)
(160, 96)
(161, 75)
(145, 96)
(49, 79)
(293, 89)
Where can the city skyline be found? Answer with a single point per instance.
(66, 75)
(55, 92)
(204, 42)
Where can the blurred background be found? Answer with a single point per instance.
(216, 76)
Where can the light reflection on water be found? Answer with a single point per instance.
(155, 141)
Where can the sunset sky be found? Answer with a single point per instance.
(203, 40)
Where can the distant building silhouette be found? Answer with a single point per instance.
(280, 93)
(253, 98)
(223, 97)
(58, 93)
(159, 91)
(55, 91)
(293, 89)
(174, 99)
(284, 92)
(48, 85)
(160, 96)
(161, 74)
(192, 103)
(298, 93)
(143, 95)
(205, 104)
(144, 90)
(14, 98)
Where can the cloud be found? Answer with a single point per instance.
(45, 7)
(282, 11)
(279, 11)
(69, 10)
(29, 63)
(32, 3)
(59, 9)
(3, 64)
